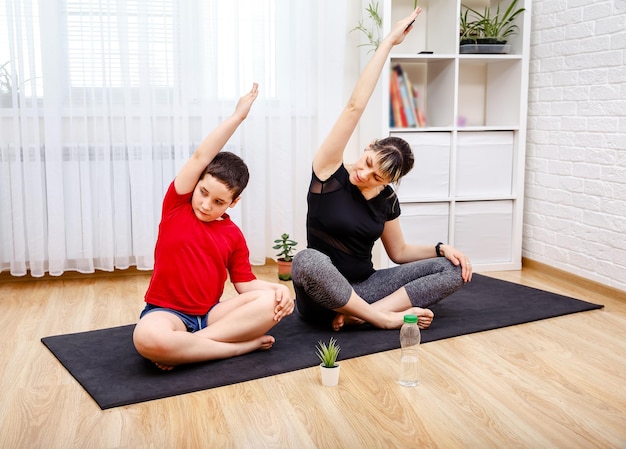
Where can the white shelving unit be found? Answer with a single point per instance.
(467, 187)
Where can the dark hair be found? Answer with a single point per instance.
(229, 169)
(395, 157)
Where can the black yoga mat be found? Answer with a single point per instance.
(106, 364)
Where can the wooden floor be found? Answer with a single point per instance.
(557, 383)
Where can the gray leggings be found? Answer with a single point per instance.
(320, 288)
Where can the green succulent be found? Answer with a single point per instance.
(328, 353)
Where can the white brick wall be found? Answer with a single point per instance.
(575, 205)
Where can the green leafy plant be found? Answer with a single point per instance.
(286, 247)
(469, 30)
(373, 31)
(328, 353)
(498, 26)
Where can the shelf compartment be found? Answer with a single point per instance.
(514, 41)
(430, 175)
(434, 30)
(489, 92)
(434, 79)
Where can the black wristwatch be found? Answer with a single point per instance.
(438, 249)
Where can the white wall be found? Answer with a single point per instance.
(575, 206)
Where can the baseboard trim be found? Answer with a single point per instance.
(574, 279)
(67, 275)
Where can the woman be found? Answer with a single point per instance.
(350, 207)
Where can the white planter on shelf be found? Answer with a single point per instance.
(330, 375)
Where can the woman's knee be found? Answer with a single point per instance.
(454, 272)
(306, 264)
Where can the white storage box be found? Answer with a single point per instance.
(483, 230)
(484, 164)
(430, 175)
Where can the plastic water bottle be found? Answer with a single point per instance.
(409, 342)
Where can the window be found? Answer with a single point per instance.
(165, 43)
(120, 44)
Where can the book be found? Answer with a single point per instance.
(421, 120)
(399, 117)
(406, 94)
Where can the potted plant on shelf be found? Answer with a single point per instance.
(286, 247)
(487, 32)
(329, 368)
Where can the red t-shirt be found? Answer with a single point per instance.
(192, 259)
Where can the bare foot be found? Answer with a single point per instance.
(263, 343)
(164, 367)
(342, 320)
(266, 342)
(424, 316)
(395, 320)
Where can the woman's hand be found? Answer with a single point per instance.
(458, 258)
(403, 27)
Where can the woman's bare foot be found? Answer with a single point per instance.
(424, 316)
(395, 320)
(342, 320)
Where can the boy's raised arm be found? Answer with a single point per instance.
(188, 176)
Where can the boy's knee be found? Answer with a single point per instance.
(149, 342)
(264, 302)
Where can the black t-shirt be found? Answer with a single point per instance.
(342, 224)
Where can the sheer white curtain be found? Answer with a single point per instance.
(101, 101)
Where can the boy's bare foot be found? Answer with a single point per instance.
(263, 343)
(266, 342)
(342, 320)
(164, 367)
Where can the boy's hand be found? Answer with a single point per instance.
(285, 303)
(245, 102)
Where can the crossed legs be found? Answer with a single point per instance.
(387, 313)
(235, 326)
(382, 300)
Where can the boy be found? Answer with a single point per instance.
(184, 320)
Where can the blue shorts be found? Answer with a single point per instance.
(193, 323)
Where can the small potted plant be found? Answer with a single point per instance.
(488, 32)
(329, 367)
(286, 246)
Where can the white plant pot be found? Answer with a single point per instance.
(330, 376)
